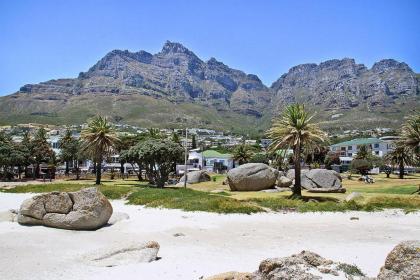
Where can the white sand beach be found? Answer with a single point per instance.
(211, 244)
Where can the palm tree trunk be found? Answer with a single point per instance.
(98, 171)
(401, 175)
(297, 192)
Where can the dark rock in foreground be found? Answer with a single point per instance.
(87, 209)
(303, 266)
(402, 263)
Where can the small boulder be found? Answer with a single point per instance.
(87, 209)
(252, 177)
(231, 275)
(125, 254)
(195, 177)
(403, 262)
(284, 182)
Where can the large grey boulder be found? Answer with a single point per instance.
(252, 177)
(402, 263)
(195, 177)
(319, 180)
(87, 209)
(323, 180)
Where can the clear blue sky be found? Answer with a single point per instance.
(42, 40)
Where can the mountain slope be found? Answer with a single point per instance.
(171, 88)
(349, 95)
(175, 88)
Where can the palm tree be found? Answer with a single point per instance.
(402, 155)
(242, 154)
(295, 129)
(99, 140)
(410, 133)
(364, 152)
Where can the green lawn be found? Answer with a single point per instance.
(385, 193)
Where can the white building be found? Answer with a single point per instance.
(379, 147)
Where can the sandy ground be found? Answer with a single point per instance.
(212, 243)
(9, 185)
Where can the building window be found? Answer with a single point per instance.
(376, 146)
(349, 154)
(343, 148)
(350, 148)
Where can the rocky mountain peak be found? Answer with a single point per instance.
(173, 47)
(390, 64)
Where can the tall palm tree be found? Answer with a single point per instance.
(410, 133)
(402, 155)
(99, 140)
(295, 129)
(242, 154)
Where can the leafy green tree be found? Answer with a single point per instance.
(331, 158)
(361, 166)
(175, 138)
(66, 154)
(242, 154)
(259, 158)
(99, 140)
(401, 156)
(295, 129)
(154, 133)
(125, 143)
(6, 150)
(158, 157)
(193, 142)
(41, 150)
(410, 134)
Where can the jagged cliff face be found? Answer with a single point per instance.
(176, 88)
(337, 87)
(343, 84)
(175, 74)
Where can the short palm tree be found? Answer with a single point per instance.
(242, 154)
(99, 140)
(363, 152)
(295, 129)
(410, 133)
(402, 156)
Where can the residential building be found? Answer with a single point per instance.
(378, 146)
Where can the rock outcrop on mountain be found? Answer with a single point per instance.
(176, 88)
(336, 87)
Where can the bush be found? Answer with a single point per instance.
(361, 166)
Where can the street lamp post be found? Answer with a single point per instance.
(186, 157)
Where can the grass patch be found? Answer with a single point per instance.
(110, 191)
(404, 189)
(309, 204)
(350, 269)
(190, 200)
(315, 204)
(224, 201)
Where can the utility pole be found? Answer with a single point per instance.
(186, 157)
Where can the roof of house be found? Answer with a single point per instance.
(215, 154)
(358, 141)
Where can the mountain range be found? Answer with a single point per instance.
(175, 88)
